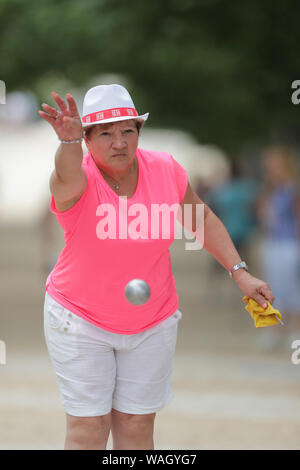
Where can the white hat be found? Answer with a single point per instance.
(108, 103)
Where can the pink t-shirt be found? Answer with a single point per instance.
(92, 271)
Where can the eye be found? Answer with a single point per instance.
(129, 130)
(105, 133)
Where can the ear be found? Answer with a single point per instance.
(86, 141)
(141, 124)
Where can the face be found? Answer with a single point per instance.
(113, 145)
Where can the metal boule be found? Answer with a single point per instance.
(137, 291)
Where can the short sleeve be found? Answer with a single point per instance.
(67, 219)
(181, 178)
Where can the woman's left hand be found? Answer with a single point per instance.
(254, 288)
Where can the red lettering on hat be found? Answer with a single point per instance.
(109, 113)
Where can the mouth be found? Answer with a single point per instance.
(119, 155)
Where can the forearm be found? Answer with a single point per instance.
(212, 234)
(68, 160)
(217, 241)
(208, 230)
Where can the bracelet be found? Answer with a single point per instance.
(71, 141)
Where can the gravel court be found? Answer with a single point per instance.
(223, 404)
(228, 394)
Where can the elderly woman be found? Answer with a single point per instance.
(113, 357)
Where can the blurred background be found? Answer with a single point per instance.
(216, 78)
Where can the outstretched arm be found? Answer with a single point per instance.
(68, 180)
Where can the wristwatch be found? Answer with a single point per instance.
(238, 266)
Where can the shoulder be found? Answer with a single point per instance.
(164, 167)
(160, 161)
(154, 156)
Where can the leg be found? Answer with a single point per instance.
(84, 363)
(87, 433)
(132, 431)
(143, 384)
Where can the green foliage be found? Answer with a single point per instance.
(220, 70)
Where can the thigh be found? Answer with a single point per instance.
(83, 360)
(144, 369)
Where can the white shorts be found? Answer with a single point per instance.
(98, 370)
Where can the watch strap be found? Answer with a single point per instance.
(241, 265)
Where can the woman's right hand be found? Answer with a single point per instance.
(66, 122)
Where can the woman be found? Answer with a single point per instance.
(278, 209)
(113, 359)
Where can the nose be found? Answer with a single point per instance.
(119, 141)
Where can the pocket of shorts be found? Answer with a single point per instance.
(170, 330)
(55, 314)
(61, 333)
(172, 319)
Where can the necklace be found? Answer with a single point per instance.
(117, 185)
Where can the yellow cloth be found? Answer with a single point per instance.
(261, 316)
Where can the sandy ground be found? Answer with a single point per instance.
(229, 393)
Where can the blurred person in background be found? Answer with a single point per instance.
(278, 210)
(233, 201)
(113, 361)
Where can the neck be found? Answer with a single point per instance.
(117, 175)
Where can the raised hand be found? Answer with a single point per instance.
(66, 122)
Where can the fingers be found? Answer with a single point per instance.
(72, 105)
(50, 110)
(260, 300)
(266, 292)
(264, 295)
(59, 101)
(70, 122)
(46, 117)
(71, 102)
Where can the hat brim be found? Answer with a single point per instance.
(143, 117)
